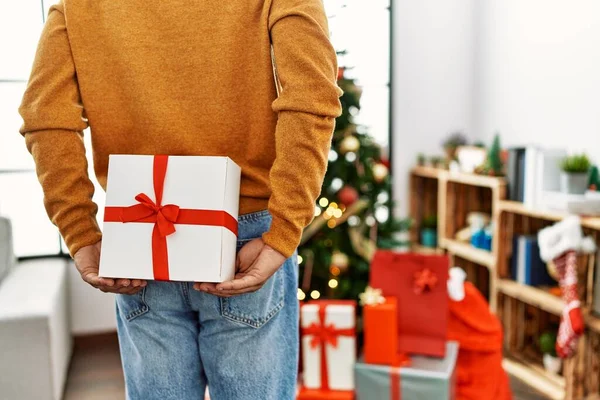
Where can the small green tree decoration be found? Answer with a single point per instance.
(493, 164)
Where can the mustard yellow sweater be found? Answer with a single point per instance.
(182, 77)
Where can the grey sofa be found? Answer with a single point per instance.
(35, 338)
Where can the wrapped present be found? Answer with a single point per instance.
(418, 282)
(424, 378)
(380, 326)
(170, 218)
(328, 344)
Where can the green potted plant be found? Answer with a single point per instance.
(452, 142)
(429, 231)
(420, 159)
(436, 161)
(574, 176)
(551, 361)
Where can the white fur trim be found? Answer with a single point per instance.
(588, 245)
(456, 283)
(561, 237)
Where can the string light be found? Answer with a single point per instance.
(315, 294)
(333, 155)
(350, 157)
(300, 259)
(333, 283)
(331, 223)
(317, 211)
(353, 220)
(301, 294)
(337, 213)
(323, 202)
(370, 220)
(333, 205)
(335, 271)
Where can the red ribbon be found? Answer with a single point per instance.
(165, 218)
(424, 281)
(322, 335)
(395, 389)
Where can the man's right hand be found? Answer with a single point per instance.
(87, 261)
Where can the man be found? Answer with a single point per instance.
(183, 77)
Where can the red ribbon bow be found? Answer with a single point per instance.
(165, 217)
(321, 336)
(424, 281)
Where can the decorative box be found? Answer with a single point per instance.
(380, 326)
(418, 282)
(424, 378)
(170, 218)
(328, 344)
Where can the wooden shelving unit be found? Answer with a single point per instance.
(525, 311)
(468, 252)
(551, 385)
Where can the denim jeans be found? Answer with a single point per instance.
(175, 341)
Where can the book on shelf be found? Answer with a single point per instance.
(527, 266)
(531, 172)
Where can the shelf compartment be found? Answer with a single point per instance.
(551, 385)
(468, 252)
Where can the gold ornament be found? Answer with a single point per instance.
(349, 144)
(380, 172)
(340, 260)
(371, 297)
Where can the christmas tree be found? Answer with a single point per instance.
(353, 213)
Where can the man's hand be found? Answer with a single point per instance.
(87, 261)
(256, 263)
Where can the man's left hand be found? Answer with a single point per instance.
(256, 262)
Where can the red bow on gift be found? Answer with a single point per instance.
(322, 335)
(165, 217)
(424, 281)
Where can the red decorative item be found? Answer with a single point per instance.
(347, 195)
(479, 372)
(425, 281)
(165, 218)
(418, 282)
(340, 74)
(385, 162)
(396, 384)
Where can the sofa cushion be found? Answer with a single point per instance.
(7, 256)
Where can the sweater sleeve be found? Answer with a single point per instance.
(307, 106)
(53, 122)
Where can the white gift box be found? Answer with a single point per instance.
(200, 201)
(339, 339)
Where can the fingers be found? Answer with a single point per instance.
(211, 288)
(240, 284)
(110, 285)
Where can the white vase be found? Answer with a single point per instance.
(552, 364)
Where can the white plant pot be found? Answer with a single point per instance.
(552, 364)
(573, 183)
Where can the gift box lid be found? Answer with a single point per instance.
(422, 366)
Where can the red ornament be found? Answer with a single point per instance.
(340, 74)
(348, 195)
(385, 162)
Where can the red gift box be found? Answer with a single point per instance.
(380, 324)
(419, 284)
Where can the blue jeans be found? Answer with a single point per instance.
(175, 341)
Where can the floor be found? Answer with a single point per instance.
(95, 372)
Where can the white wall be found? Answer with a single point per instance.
(433, 80)
(539, 73)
